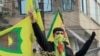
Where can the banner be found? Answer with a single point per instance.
(17, 40)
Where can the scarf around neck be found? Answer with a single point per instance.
(59, 45)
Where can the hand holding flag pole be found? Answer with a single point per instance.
(35, 17)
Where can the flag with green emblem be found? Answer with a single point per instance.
(17, 40)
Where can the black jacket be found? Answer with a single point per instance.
(49, 46)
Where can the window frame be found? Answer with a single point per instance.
(70, 4)
(20, 5)
(84, 7)
(50, 9)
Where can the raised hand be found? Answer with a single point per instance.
(30, 13)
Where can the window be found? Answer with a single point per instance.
(22, 7)
(67, 5)
(47, 5)
(98, 13)
(92, 9)
(1, 2)
(1, 5)
(95, 11)
(83, 6)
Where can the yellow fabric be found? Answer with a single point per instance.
(57, 22)
(30, 6)
(39, 20)
(26, 34)
(59, 39)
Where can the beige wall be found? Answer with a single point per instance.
(87, 23)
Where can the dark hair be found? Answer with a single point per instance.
(57, 29)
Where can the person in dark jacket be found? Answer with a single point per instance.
(60, 49)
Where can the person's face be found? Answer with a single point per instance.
(59, 36)
(58, 32)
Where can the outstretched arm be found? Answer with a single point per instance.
(86, 46)
(41, 39)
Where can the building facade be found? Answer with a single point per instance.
(90, 13)
(80, 16)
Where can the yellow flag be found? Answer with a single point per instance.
(30, 5)
(16, 40)
(39, 19)
(57, 22)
